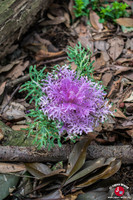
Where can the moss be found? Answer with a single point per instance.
(14, 138)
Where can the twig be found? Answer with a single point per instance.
(52, 60)
(15, 82)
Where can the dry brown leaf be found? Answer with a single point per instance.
(101, 45)
(19, 127)
(102, 35)
(14, 112)
(116, 47)
(86, 41)
(99, 63)
(129, 76)
(105, 56)
(73, 66)
(56, 9)
(128, 22)
(1, 134)
(10, 168)
(9, 66)
(106, 78)
(17, 70)
(129, 44)
(42, 55)
(2, 87)
(55, 21)
(115, 87)
(130, 132)
(67, 19)
(119, 114)
(71, 9)
(130, 2)
(123, 60)
(94, 19)
(120, 69)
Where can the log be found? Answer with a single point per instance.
(16, 16)
(31, 154)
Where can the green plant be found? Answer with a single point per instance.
(113, 11)
(81, 58)
(80, 8)
(44, 130)
(62, 98)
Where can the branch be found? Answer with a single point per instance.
(31, 154)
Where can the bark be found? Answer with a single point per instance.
(31, 154)
(16, 16)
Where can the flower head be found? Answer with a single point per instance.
(76, 102)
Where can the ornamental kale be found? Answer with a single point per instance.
(78, 103)
(67, 103)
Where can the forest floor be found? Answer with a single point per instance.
(45, 44)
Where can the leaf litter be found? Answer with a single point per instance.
(112, 51)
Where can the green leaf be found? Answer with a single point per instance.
(7, 182)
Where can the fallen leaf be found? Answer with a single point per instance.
(77, 157)
(106, 78)
(2, 92)
(86, 41)
(128, 22)
(94, 19)
(11, 167)
(42, 171)
(87, 168)
(102, 35)
(110, 170)
(17, 70)
(130, 2)
(118, 113)
(105, 56)
(73, 66)
(99, 63)
(116, 47)
(55, 21)
(1, 134)
(130, 132)
(2, 87)
(7, 182)
(9, 66)
(130, 99)
(71, 9)
(115, 87)
(43, 55)
(38, 170)
(101, 45)
(67, 19)
(129, 44)
(14, 112)
(124, 60)
(129, 76)
(19, 127)
(119, 69)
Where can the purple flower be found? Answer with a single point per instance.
(76, 102)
